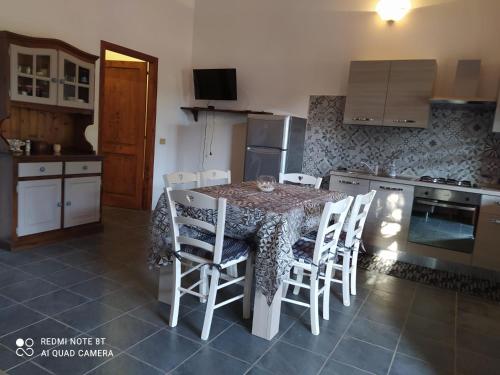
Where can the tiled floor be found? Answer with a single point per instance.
(99, 286)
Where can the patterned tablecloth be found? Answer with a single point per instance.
(272, 221)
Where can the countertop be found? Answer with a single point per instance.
(493, 190)
(56, 158)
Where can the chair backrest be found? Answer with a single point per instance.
(299, 178)
(198, 201)
(215, 175)
(338, 210)
(357, 218)
(181, 178)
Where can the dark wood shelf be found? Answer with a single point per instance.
(196, 110)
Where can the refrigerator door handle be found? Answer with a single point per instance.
(265, 150)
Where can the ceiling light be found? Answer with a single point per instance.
(393, 10)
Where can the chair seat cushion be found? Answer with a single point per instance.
(232, 249)
(303, 251)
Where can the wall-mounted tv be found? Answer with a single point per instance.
(215, 84)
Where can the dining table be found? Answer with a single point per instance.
(271, 221)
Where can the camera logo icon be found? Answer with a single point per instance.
(25, 347)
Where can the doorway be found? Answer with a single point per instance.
(127, 120)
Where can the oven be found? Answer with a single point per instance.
(444, 218)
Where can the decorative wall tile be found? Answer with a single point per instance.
(457, 144)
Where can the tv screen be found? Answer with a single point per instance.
(215, 84)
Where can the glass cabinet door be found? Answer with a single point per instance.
(33, 75)
(76, 82)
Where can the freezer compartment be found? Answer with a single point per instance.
(268, 131)
(263, 161)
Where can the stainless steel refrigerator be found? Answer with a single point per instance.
(275, 144)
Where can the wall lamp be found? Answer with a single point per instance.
(393, 10)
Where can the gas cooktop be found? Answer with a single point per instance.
(446, 181)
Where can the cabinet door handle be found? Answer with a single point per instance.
(59, 204)
(68, 204)
(42, 169)
(390, 188)
(61, 81)
(403, 121)
(85, 167)
(366, 119)
(348, 182)
(53, 80)
(494, 221)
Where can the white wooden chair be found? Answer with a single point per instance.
(210, 255)
(181, 178)
(215, 175)
(311, 257)
(299, 178)
(348, 247)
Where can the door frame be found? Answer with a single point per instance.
(149, 152)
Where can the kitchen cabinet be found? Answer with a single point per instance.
(390, 93)
(366, 93)
(76, 82)
(388, 220)
(486, 250)
(33, 74)
(411, 84)
(350, 186)
(39, 206)
(82, 197)
(496, 124)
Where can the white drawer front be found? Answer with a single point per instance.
(349, 185)
(39, 169)
(83, 167)
(490, 204)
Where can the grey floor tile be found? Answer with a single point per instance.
(486, 324)
(44, 267)
(8, 358)
(333, 367)
(125, 365)
(5, 302)
(69, 276)
(363, 355)
(394, 284)
(47, 328)
(164, 350)
(76, 258)
(54, 250)
(239, 342)
(418, 326)
(435, 304)
(19, 258)
(300, 335)
(100, 266)
(75, 365)
(191, 325)
(88, 316)
(438, 354)
(488, 345)
(157, 313)
(286, 359)
(95, 288)
(56, 302)
(124, 332)
(29, 368)
(28, 289)
(10, 276)
(374, 333)
(212, 362)
(15, 317)
(401, 299)
(127, 299)
(404, 365)
(387, 315)
(255, 370)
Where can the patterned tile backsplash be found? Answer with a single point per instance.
(457, 144)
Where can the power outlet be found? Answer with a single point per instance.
(163, 141)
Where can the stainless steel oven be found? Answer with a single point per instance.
(444, 219)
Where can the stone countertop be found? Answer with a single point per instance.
(493, 190)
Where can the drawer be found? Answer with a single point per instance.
(349, 185)
(490, 204)
(39, 169)
(83, 167)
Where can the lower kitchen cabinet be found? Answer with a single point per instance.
(388, 221)
(82, 197)
(486, 250)
(39, 206)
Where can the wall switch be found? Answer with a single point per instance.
(163, 141)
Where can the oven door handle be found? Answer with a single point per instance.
(446, 205)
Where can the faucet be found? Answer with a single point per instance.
(373, 170)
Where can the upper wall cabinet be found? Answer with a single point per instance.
(390, 93)
(76, 82)
(367, 92)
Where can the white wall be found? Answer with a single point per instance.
(287, 50)
(162, 28)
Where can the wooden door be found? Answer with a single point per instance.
(122, 134)
(39, 206)
(410, 89)
(82, 197)
(366, 92)
(388, 221)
